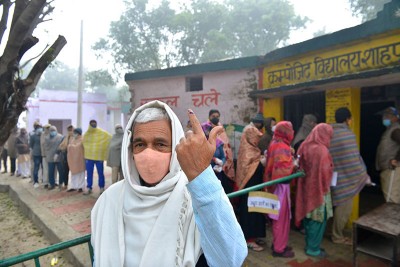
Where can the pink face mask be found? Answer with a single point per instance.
(152, 165)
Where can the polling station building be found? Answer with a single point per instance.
(357, 67)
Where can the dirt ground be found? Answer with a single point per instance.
(19, 235)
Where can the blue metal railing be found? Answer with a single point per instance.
(34, 255)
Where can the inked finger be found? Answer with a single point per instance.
(196, 126)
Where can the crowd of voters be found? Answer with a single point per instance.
(45, 154)
(172, 205)
(334, 174)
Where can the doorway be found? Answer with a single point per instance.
(296, 106)
(371, 130)
(373, 100)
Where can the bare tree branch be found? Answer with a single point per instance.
(18, 9)
(45, 60)
(29, 60)
(14, 91)
(19, 30)
(4, 18)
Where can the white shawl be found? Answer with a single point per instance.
(134, 225)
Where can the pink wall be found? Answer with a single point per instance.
(226, 91)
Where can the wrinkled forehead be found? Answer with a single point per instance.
(155, 129)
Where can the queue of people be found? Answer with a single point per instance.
(334, 174)
(45, 154)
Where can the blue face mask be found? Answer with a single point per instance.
(53, 133)
(39, 131)
(386, 122)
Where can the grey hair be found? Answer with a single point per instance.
(151, 114)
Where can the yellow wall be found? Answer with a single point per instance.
(350, 98)
(273, 107)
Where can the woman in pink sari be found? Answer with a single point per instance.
(280, 164)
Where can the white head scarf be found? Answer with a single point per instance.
(135, 225)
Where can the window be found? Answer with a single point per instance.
(194, 84)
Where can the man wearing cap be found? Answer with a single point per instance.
(45, 173)
(51, 143)
(36, 125)
(63, 155)
(36, 152)
(388, 156)
(95, 143)
(249, 172)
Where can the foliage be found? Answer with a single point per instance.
(59, 76)
(22, 17)
(100, 78)
(101, 81)
(152, 37)
(367, 9)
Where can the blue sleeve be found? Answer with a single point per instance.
(222, 239)
(222, 154)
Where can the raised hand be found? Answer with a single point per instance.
(194, 151)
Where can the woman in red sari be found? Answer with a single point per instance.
(280, 164)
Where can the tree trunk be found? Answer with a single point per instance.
(15, 94)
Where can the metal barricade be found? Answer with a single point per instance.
(34, 255)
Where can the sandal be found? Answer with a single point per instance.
(285, 254)
(260, 242)
(254, 247)
(344, 241)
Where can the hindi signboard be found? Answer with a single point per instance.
(263, 202)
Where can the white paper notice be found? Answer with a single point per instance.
(334, 179)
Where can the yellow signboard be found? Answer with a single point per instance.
(370, 54)
(263, 202)
(334, 99)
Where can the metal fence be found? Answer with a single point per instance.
(34, 255)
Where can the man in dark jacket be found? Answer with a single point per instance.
(34, 144)
(388, 156)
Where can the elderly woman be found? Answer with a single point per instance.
(308, 123)
(170, 210)
(280, 164)
(313, 198)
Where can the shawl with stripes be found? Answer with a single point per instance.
(347, 161)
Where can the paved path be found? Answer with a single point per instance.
(65, 215)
